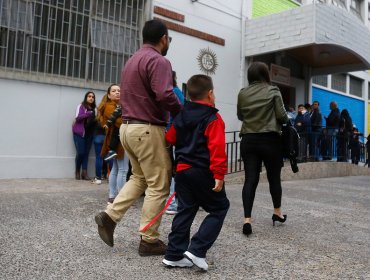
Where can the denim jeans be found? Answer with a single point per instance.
(83, 145)
(98, 143)
(117, 176)
(173, 204)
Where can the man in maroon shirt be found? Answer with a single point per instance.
(146, 99)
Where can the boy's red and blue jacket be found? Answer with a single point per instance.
(198, 134)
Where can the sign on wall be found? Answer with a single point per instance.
(207, 61)
(280, 75)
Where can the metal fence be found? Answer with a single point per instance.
(235, 163)
(322, 146)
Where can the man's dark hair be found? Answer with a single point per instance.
(258, 72)
(198, 86)
(301, 105)
(153, 31)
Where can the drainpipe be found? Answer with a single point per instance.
(243, 19)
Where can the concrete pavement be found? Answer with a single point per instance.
(47, 231)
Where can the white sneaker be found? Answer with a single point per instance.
(184, 262)
(96, 181)
(171, 212)
(199, 262)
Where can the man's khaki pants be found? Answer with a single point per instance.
(151, 170)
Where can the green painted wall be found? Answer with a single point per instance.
(268, 7)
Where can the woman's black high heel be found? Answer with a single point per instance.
(247, 229)
(278, 219)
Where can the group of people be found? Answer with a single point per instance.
(197, 133)
(339, 136)
(100, 125)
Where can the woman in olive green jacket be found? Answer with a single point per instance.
(261, 109)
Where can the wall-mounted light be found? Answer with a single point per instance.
(324, 54)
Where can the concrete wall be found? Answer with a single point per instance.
(36, 139)
(221, 20)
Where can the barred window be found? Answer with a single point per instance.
(355, 7)
(320, 80)
(339, 3)
(339, 82)
(80, 40)
(355, 86)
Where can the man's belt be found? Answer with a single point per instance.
(140, 122)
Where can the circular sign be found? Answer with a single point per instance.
(207, 61)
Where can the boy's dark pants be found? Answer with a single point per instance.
(193, 189)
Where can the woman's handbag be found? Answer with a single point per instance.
(290, 138)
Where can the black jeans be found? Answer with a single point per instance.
(194, 189)
(114, 140)
(255, 149)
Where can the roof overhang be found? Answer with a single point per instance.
(324, 37)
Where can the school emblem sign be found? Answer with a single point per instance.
(207, 61)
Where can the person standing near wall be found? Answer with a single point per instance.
(332, 127)
(146, 82)
(316, 128)
(117, 176)
(83, 130)
(260, 107)
(302, 124)
(344, 134)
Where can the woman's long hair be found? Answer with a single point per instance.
(86, 104)
(102, 104)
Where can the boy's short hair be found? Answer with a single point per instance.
(198, 86)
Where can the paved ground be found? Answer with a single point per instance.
(47, 231)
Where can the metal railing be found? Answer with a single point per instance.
(235, 162)
(315, 146)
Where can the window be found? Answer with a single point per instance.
(83, 40)
(355, 86)
(320, 80)
(355, 8)
(339, 3)
(339, 82)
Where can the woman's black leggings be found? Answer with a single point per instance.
(255, 149)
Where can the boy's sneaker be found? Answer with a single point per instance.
(111, 154)
(184, 262)
(199, 262)
(96, 181)
(171, 212)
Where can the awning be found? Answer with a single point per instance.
(325, 37)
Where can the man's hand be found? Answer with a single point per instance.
(218, 185)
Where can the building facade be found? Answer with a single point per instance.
(53, 51)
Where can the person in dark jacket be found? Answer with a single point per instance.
(302, 124)
(332, 126)
(198, 134)
(344, 134)
(316, 128)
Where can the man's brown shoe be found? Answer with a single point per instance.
(152, 249)
(105, 227)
